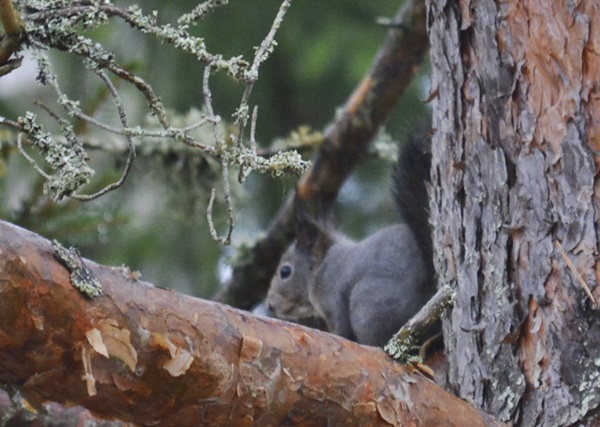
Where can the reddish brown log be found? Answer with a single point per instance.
(178, 360)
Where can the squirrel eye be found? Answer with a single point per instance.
(285, 271)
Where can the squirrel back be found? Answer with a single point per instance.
(364, 291)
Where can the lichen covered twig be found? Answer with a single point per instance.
(64, 25)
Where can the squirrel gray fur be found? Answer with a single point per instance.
(364, 291)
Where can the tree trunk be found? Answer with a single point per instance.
(153, 356)
(515, 158)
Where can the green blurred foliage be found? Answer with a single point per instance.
(156, 223)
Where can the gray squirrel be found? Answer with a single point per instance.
(364, 291)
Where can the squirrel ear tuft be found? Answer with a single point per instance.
(311, 237)
(307, 234)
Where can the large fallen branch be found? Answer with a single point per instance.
(149, 355)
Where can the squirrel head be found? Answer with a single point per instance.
(288, 293)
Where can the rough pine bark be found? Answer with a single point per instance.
(515, 161)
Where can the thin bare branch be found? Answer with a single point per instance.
(248, 162)
(251, 76)
(178, 37)
(131, 146)
(31, 161)
(200, 11)
(401, 343)
(226, 240)
(11, 123)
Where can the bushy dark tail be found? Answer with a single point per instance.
(412, 176)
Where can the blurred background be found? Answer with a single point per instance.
(156, 223)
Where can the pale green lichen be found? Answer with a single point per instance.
(200, 12)
(82, 278)
(69, 162)
(64, 25)
(281, 163)
(400, 346)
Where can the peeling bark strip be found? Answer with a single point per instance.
(149, 355)
(517, 118)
